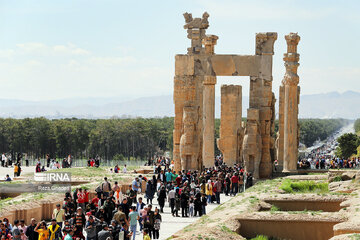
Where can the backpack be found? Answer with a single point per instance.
(98, 189)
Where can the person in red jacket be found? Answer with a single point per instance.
(81, 198)
(234, 184)
(86, 200)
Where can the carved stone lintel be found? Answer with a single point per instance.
(265, 43)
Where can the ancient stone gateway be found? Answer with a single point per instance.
(194, 99)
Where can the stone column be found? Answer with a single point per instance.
(184, 76)
(230, 126)
(179, 100)
(290, 83)
(208, 121)
(209, 82)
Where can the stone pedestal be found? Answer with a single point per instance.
(208, 152)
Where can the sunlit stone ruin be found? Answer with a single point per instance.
(254, 142)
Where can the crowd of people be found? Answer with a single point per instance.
(323, 157)
(328, 163)
(115, 213)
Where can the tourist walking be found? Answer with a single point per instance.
(157, 223)
(171, 200)
(42, 231)
(234, 184)
(218, 190)
(139, 207)
(209, 191)
(59, 215)
(161, 198)
(23, 229)
(106, 187)
(54, 230)
(149, 220)
(90, 229)
(149, 192)
(133, 219)
(184, 198)
(30, 231)
(16, 231)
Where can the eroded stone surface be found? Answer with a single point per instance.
(194, 88)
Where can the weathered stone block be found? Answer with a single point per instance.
(184, 65)
(253, 114)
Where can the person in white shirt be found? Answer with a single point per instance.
(3, 160)
(124, 169)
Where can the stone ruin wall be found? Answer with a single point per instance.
(194, 99)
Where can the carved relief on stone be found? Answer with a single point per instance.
(188, 153)
(194, 100)
(196, 22)
(252, 144)
(277, 145)
(240, 135)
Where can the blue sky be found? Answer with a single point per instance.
(64, 49)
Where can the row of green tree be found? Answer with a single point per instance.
(312, 130)
(138, 138)
(110, 138)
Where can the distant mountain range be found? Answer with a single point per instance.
(326, 105)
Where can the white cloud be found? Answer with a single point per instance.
(49, 72)
(69, 49)
(6, 53)
(124, 50)
(34, 63)
(41, 49)
(111, 61)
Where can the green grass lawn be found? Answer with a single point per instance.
(293, 186)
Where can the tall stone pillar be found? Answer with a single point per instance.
(261, 97)
(280, 140)
(231, 134)
(290, 83)
(183, 95)
(208, 151)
